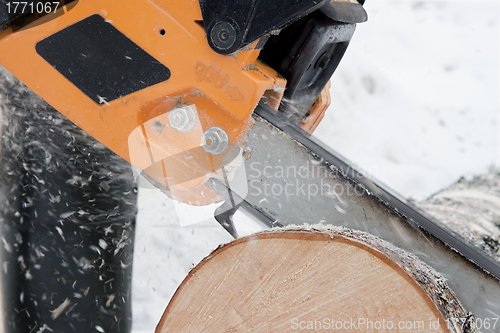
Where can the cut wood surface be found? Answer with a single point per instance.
(291, 280)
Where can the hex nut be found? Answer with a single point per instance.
(182, 119)
(215, 140)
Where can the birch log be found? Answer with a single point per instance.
(471, 209)
(293, 280)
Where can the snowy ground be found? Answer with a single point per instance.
(426, 73)
(414, 102)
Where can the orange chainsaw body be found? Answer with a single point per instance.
(224, 90)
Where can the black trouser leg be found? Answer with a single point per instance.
(67, 218)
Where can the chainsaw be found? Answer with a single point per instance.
(216, 101)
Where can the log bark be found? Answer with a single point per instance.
(471, 209)
(289, 280)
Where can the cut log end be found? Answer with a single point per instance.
(321, 280)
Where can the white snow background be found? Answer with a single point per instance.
(415, 102)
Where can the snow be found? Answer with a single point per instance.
(164, 254)
(426, 73)
(414, 103)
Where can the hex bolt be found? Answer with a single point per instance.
(182, 119)
(215, 140)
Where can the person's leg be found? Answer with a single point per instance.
(67, 218)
